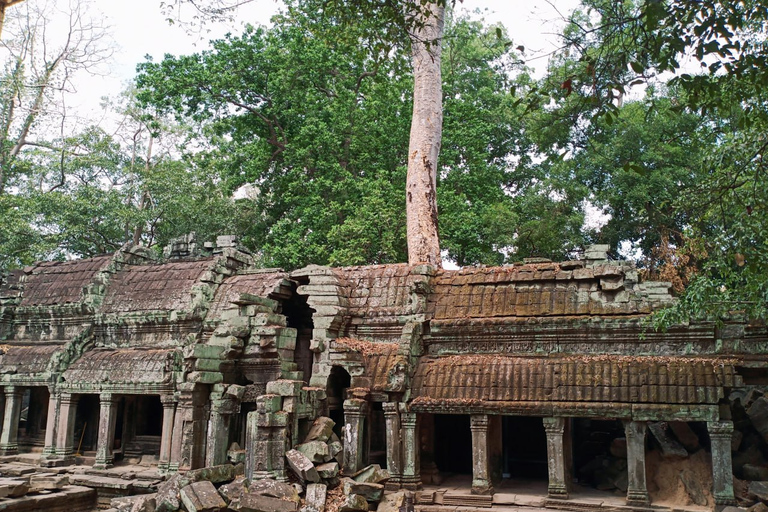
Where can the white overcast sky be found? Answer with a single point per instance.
(139, 28)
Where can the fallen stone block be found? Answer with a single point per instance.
(201, 497)
(755, 472)
(274, 489)
(302, 467)
(757, 507)
(13, 487)
(168, 498)
(619, 447)
(316, 495)
(759, 491)
(124, 503)
(352, 503)
(315, 451)
(669, 446)
(321, 430)
(328, 470)
(685, 434)
(758, 415)
(233, 490)
(370, 491)
(392, 502)
(258, 503)
(372, 474)
(43, 482)
(214, 474)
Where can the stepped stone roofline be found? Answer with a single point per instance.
(267, 283)
(9, 285)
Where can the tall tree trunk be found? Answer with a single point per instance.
(426, 135)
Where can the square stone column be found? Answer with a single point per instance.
(52, 422)
(216, 447)
(355, 411)
(411, 478)
(637, 490)
(481, 474)
(65, 432)
(720, 433)
(166, 439)
(394, 444)
(10, 435)
(107, 417)
(557, 457)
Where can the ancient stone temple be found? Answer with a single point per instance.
(536, 370)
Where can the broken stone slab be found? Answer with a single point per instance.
(124, 503)
(274, 489)
(372, 474)
(669, 446)
(316, 495)
(694, 488)
(685, 434)
(13, 487)
(328, 470)
(758, 415)
(233, 490)
(214, 474)
(201, 496)
(352, 503)
(168, 499)
(259, 503)
(145, 503)
(758, 490)
(14, 469)
(757, 507)
(755, 472)
(321, 430)
(43, 482)
(302, 467)
(370, 491)
(337, 451)
(316, 451)
(392, 502)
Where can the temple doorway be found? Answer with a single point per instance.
(524, 448)
(338, 382)
(453, 444)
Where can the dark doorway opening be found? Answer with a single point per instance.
(299, 316)
(599, 452)
(524, 448)
(453, 444)
(338, 382)
(86, 423)
(377, 435)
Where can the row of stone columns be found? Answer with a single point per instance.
(403, 452)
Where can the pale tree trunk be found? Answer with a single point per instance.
(426, 135)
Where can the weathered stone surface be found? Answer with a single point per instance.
(755, 472)
(301, 466)
(274, 489)
(201, 496)
(685, 435)
(124, 503)
(669, 446)
(44, 482)
(354, 502)
(13, 487)
(370, 491)
(321, 430)
(694, 488)
(145, 503)
(168, 499)
(758, 507)
(250, 502)
(372, 474)
(392, 502)
(758, 490)
(758, 415)
(316, 495)
(328, 470)
(233, 490)
(213, 474)
(315, 451)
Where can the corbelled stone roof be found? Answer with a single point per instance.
(27, 359)
(261, 284)
(153, 287)
(60, 282)
(129, 366)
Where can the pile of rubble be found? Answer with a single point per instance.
(316, 464)
(749, 444)
(319, 485)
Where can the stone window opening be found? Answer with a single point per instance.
(299, 316)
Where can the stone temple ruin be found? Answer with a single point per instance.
(541, 373)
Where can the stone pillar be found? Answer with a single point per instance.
(557, 458)
(637, 491)
(355, 411)
(411, 460)
(394, 444)
(107, 417)
(9, 437)
(266, 440)
(216, 447)
(720, 433)
(54, 401)
(65, 432)
(166, 439)
(189, 428)
(481, 474)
